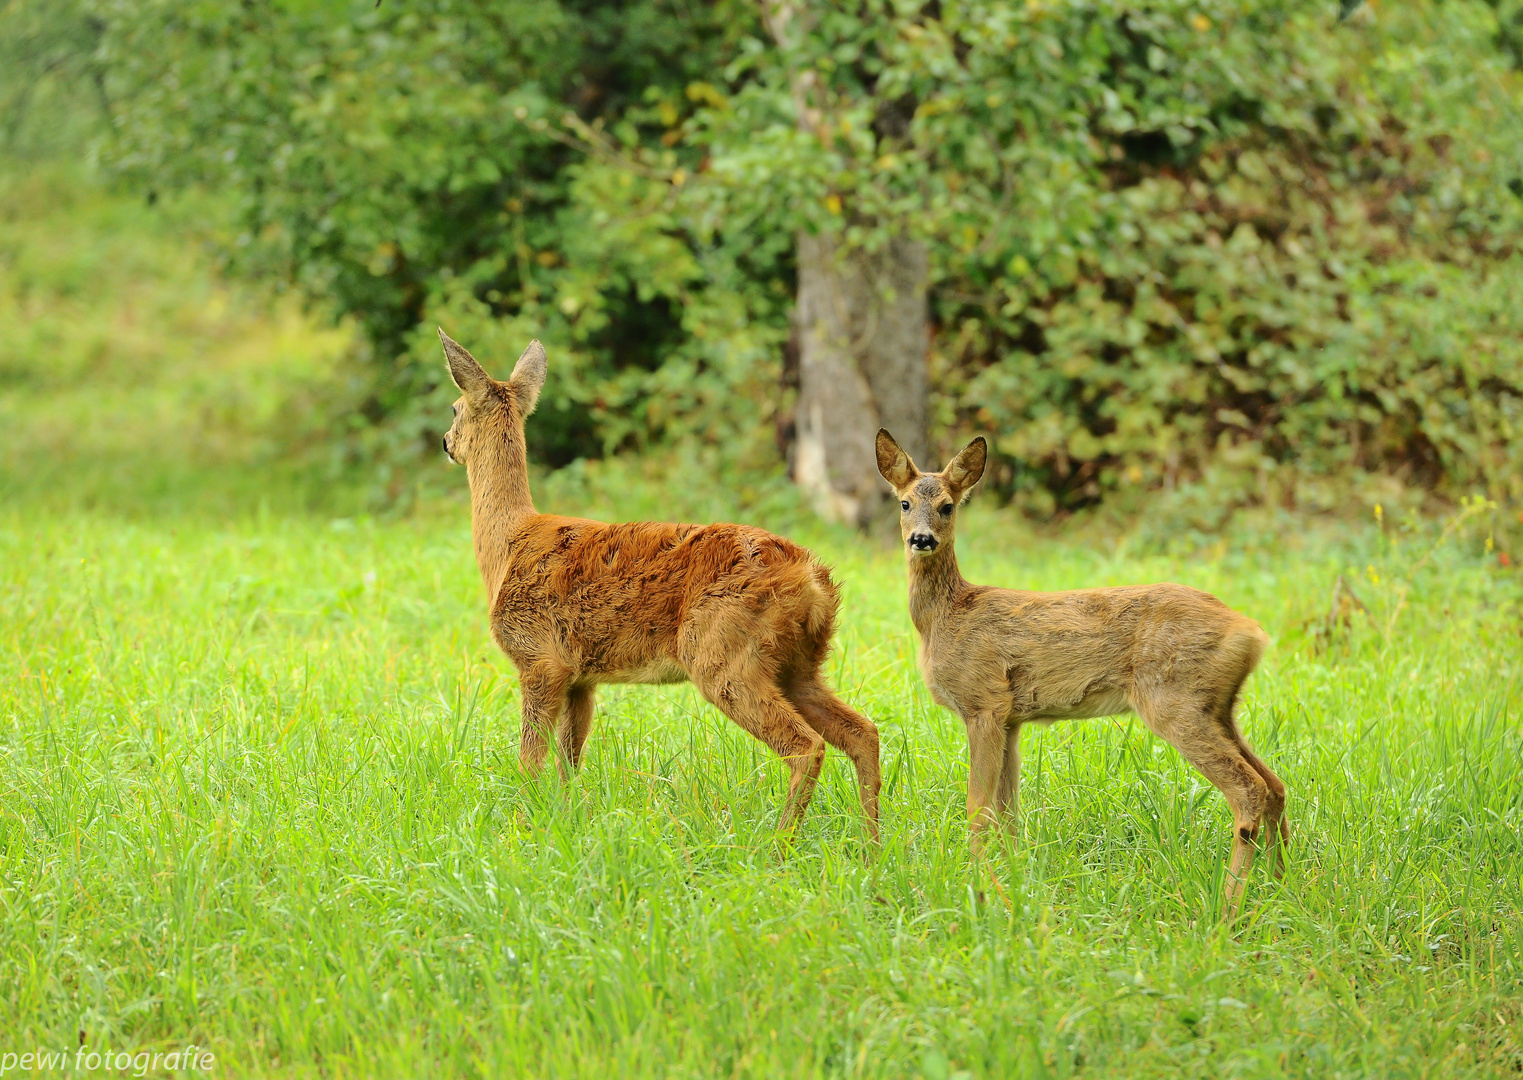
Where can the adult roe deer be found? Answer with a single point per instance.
(745, 615)
(1001, 658)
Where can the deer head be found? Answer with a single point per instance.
(489, 412)
(928, 502)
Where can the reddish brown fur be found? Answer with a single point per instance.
(745, 615)
(1002, 658)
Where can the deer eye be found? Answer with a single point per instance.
(904, 504)
(947, 509)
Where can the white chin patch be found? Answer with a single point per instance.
(450, 458)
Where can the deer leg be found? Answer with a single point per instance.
(1215, 752)
(748, 695)
(1007, 795)
(543, 689)
(1276, 829)
(986, 761)
(848, 731)
(575, 723)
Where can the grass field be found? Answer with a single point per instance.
(260, 791)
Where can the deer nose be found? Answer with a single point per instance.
(923, 541)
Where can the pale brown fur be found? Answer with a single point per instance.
(1001, 658)
(745, 615)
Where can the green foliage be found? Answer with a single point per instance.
(1240, 252)
(1253, 247)
(52, 82)
(387, 164)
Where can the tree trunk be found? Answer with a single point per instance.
(862, 351)
(862, 331)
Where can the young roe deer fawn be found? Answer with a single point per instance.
(1001, 658)
(745, 615)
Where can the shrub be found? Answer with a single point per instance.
(1235, 249)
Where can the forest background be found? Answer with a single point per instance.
(1175, 259)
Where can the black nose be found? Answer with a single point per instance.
(923, 541)
(445, 441)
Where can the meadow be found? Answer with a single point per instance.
(261, 792)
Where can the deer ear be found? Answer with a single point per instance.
(893, 462)
(528, 376)
(468, 374)
(967, 468)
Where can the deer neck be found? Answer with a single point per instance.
(500, 501)
(935, 582)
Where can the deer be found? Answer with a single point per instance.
(1004, 658)
(746, 616)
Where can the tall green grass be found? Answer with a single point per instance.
(261, 794)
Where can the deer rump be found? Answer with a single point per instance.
(651, 602)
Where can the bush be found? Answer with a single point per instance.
(1239, 251)
(1286, 261)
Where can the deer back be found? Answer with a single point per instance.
(622, 601)
(1034, 655)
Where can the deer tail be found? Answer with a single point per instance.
(818, 602)
(1246, 643)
